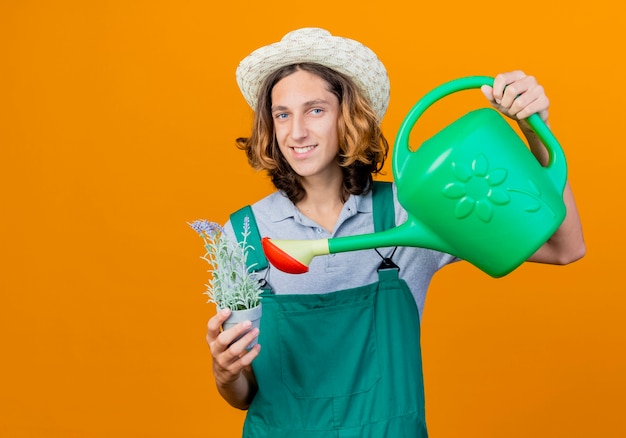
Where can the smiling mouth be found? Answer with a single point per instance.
(302, 150)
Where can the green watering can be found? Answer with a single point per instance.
(473, 190)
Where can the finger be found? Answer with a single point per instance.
(240, 346)
(231, 371)
(247, 359)
(215, 323)
(488, 92)
(539, 105)
(237, 354)
(535, 101)
(227, 337)
(525, 87)
(504, 80)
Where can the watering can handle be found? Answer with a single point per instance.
(557, 166)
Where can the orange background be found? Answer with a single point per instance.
(117, 126)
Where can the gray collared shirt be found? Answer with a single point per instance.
(278, 218)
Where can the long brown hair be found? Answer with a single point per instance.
(362, 145)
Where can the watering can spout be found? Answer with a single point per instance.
(294, 256)
(410, 233)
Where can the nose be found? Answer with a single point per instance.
(298, 128)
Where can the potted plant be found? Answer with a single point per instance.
(232, 284)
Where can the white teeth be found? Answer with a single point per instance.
(303, 150)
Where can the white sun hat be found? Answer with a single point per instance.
(317, 46)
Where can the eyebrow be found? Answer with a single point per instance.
(308, 104)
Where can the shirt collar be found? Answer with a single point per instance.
(284, 208)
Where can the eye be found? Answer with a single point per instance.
(280, 116)
(317, 111)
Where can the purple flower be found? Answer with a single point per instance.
(206, 228)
